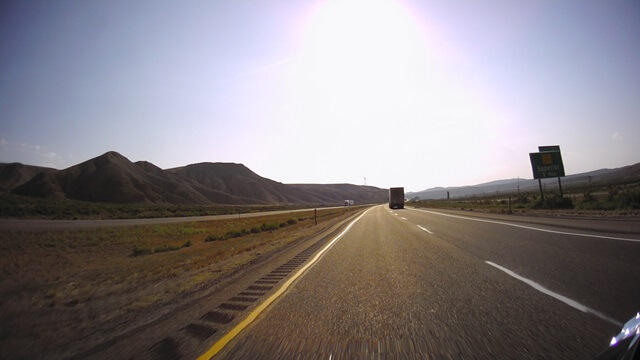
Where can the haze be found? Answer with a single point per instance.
(404, 93)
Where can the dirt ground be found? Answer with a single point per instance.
(60, 286)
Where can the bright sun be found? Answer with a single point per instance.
(367, 64)
(360, 47)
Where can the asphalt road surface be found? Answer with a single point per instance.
(451, 285)
(411, 283)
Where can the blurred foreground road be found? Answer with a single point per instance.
(439, 284)
(409, 284)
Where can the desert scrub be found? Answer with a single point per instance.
(139, 251)
(270, 226)
(116, 286)
(256, 230)
(165, 248)
(212, 238)
(16, 206)
(237, 233)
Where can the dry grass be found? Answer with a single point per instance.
(55, 272)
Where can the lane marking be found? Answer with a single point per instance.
(425, 229)
(403, 218)
(530, 227)
(574, 304)
(219, 345)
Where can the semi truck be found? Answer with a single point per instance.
(348, 203)
(396, 198)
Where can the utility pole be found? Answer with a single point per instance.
(365, 180)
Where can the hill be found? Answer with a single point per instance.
(625, 174)
(15, 174)
(237, 180)
(112, 178)
(359, 194)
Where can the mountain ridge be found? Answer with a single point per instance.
(625, 173)
(112, 178)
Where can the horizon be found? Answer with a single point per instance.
(316, 183)
(401, 93)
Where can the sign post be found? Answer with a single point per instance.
(553, 148)
(547, 164)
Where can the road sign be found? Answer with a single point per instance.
(549, 148)
(546, 164)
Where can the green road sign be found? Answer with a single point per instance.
(546, 164)
(549, 148)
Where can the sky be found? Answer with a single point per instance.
(398, 92)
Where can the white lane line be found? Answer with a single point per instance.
(403, 218)
(564, 299)
(424, 229)
(530, 227)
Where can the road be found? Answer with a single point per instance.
(46, 225)
(418, 284)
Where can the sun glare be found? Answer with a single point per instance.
(360, 47)
(368, 64)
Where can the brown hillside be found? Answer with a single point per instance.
(15, 174)
(112, 178)
(43, 185)
(333, 193)
(238, 180)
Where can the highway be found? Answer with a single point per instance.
(47, 225)
(415, 284)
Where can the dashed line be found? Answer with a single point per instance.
(424, 229)
(574, 304)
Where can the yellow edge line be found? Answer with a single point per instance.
(254, 314)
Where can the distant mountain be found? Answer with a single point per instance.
(113, 178)
(237, 180)
(359, 194)
(630, 173)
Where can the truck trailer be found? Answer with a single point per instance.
(396, 198)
